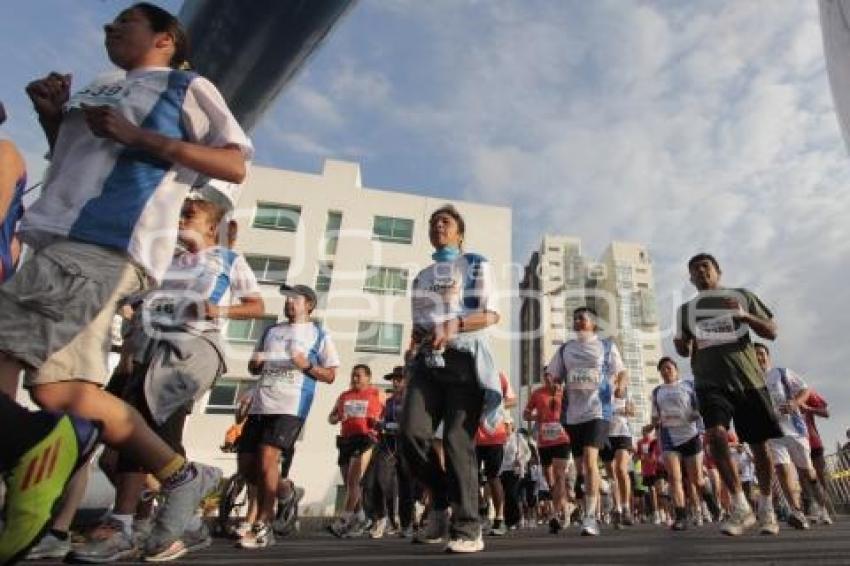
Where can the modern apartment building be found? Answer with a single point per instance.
(360, 249)
(619, 286)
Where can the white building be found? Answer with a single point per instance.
(620, 287)
(359, 248)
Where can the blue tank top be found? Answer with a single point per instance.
(7, 227)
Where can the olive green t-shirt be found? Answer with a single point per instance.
(722, 353)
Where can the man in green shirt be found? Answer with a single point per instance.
(713, 329)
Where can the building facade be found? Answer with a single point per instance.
(360, 249)
(619, 287)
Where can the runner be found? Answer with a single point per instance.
(649, 450)
(452, 379)
(746, 469)
(592, 370)
(553, 444)
(178, 357)
(789, 392)
(129, 147)
(675, 414)
(514, 464)
(290, 358)
(13, 182)
(358, 411)
(490, 451)
(616, 455)
(816, 406)
(713, 329)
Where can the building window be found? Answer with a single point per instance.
(332, 232)
(323, 282)
(641, 270)
(389, 229)
(248, 331)
(386, 280)
(381, 337)
(277, 217)
(649, 346)
(268, 270)
(225, 395)
(553, 249)
(643, 285)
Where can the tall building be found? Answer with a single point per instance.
(620, 287)
(360, 249)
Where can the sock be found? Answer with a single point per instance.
(361, 515)
(590, 502)
(741, 500)
(61, 535)
(175, 466)
(765, 502)
(183, 475)
(126, 523)
(710, 502)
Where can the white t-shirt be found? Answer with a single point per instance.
(619, 421)
(588, 386)
(97, 190)
(446, 289)
(793, 424)
(217, 274)
(675, 406)
(282, 388)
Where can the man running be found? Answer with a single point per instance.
(713, 329)
(592, 370)
(789, 392)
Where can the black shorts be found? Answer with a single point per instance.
(544, 495)
(613, 444)
(171, 431)
(591, 433)
(750, 409)
(688, 449)
(279, 431)
(352, 447)
(817, 452)
(550, 453)
(491, 457)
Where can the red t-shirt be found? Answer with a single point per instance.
(648, 450)
(500, 435)
(359, 412)
(547, 409)
(816, 402)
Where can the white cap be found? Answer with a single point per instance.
(222, 193)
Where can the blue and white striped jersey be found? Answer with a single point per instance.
(102, 192)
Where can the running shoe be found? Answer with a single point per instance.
(36, 482)
(109, 543)
(180, 505)
(436, 528)
(378, 529)
(823, 516)
(340, 526)
(617, 519)
(287, 513)
(589, 527)
(627, 519)
(461, 545)
(739, 520)
(498, 529)
(260, 536)
(554, 526)
(358, 528)
(50, 546)
(767, 521)
(798, 520)
(189, 542)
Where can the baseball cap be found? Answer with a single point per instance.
(302, 290)
(398, 372)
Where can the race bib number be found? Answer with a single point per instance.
(355, 409)
(391, 427)
(275, 376)
(716, 331)
(551, 431)
(99, 94)
(583, 378)
(673, 417)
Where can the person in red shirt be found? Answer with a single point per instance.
(649, 453)
(553, 443)
(490, 450)
(724, 498)
(813, 405)
(358, 411)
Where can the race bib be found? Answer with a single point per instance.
(673, 417)
(716, 331)
(551, 431)
(355, 409)
(583, 378)
(275, 376)
(390, 427)
(105, 93)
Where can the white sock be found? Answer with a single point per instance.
(741, 500)
(361, 515)
(590, 510)
(765, 502)
(126, 523)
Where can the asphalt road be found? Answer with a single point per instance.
(643, 544)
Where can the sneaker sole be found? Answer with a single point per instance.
(129, 553)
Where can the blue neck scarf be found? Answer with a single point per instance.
(448, 253)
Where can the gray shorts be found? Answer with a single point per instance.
(56, 312)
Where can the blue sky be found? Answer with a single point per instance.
(688, 126)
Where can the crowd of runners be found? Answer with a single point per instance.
(134, 221)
